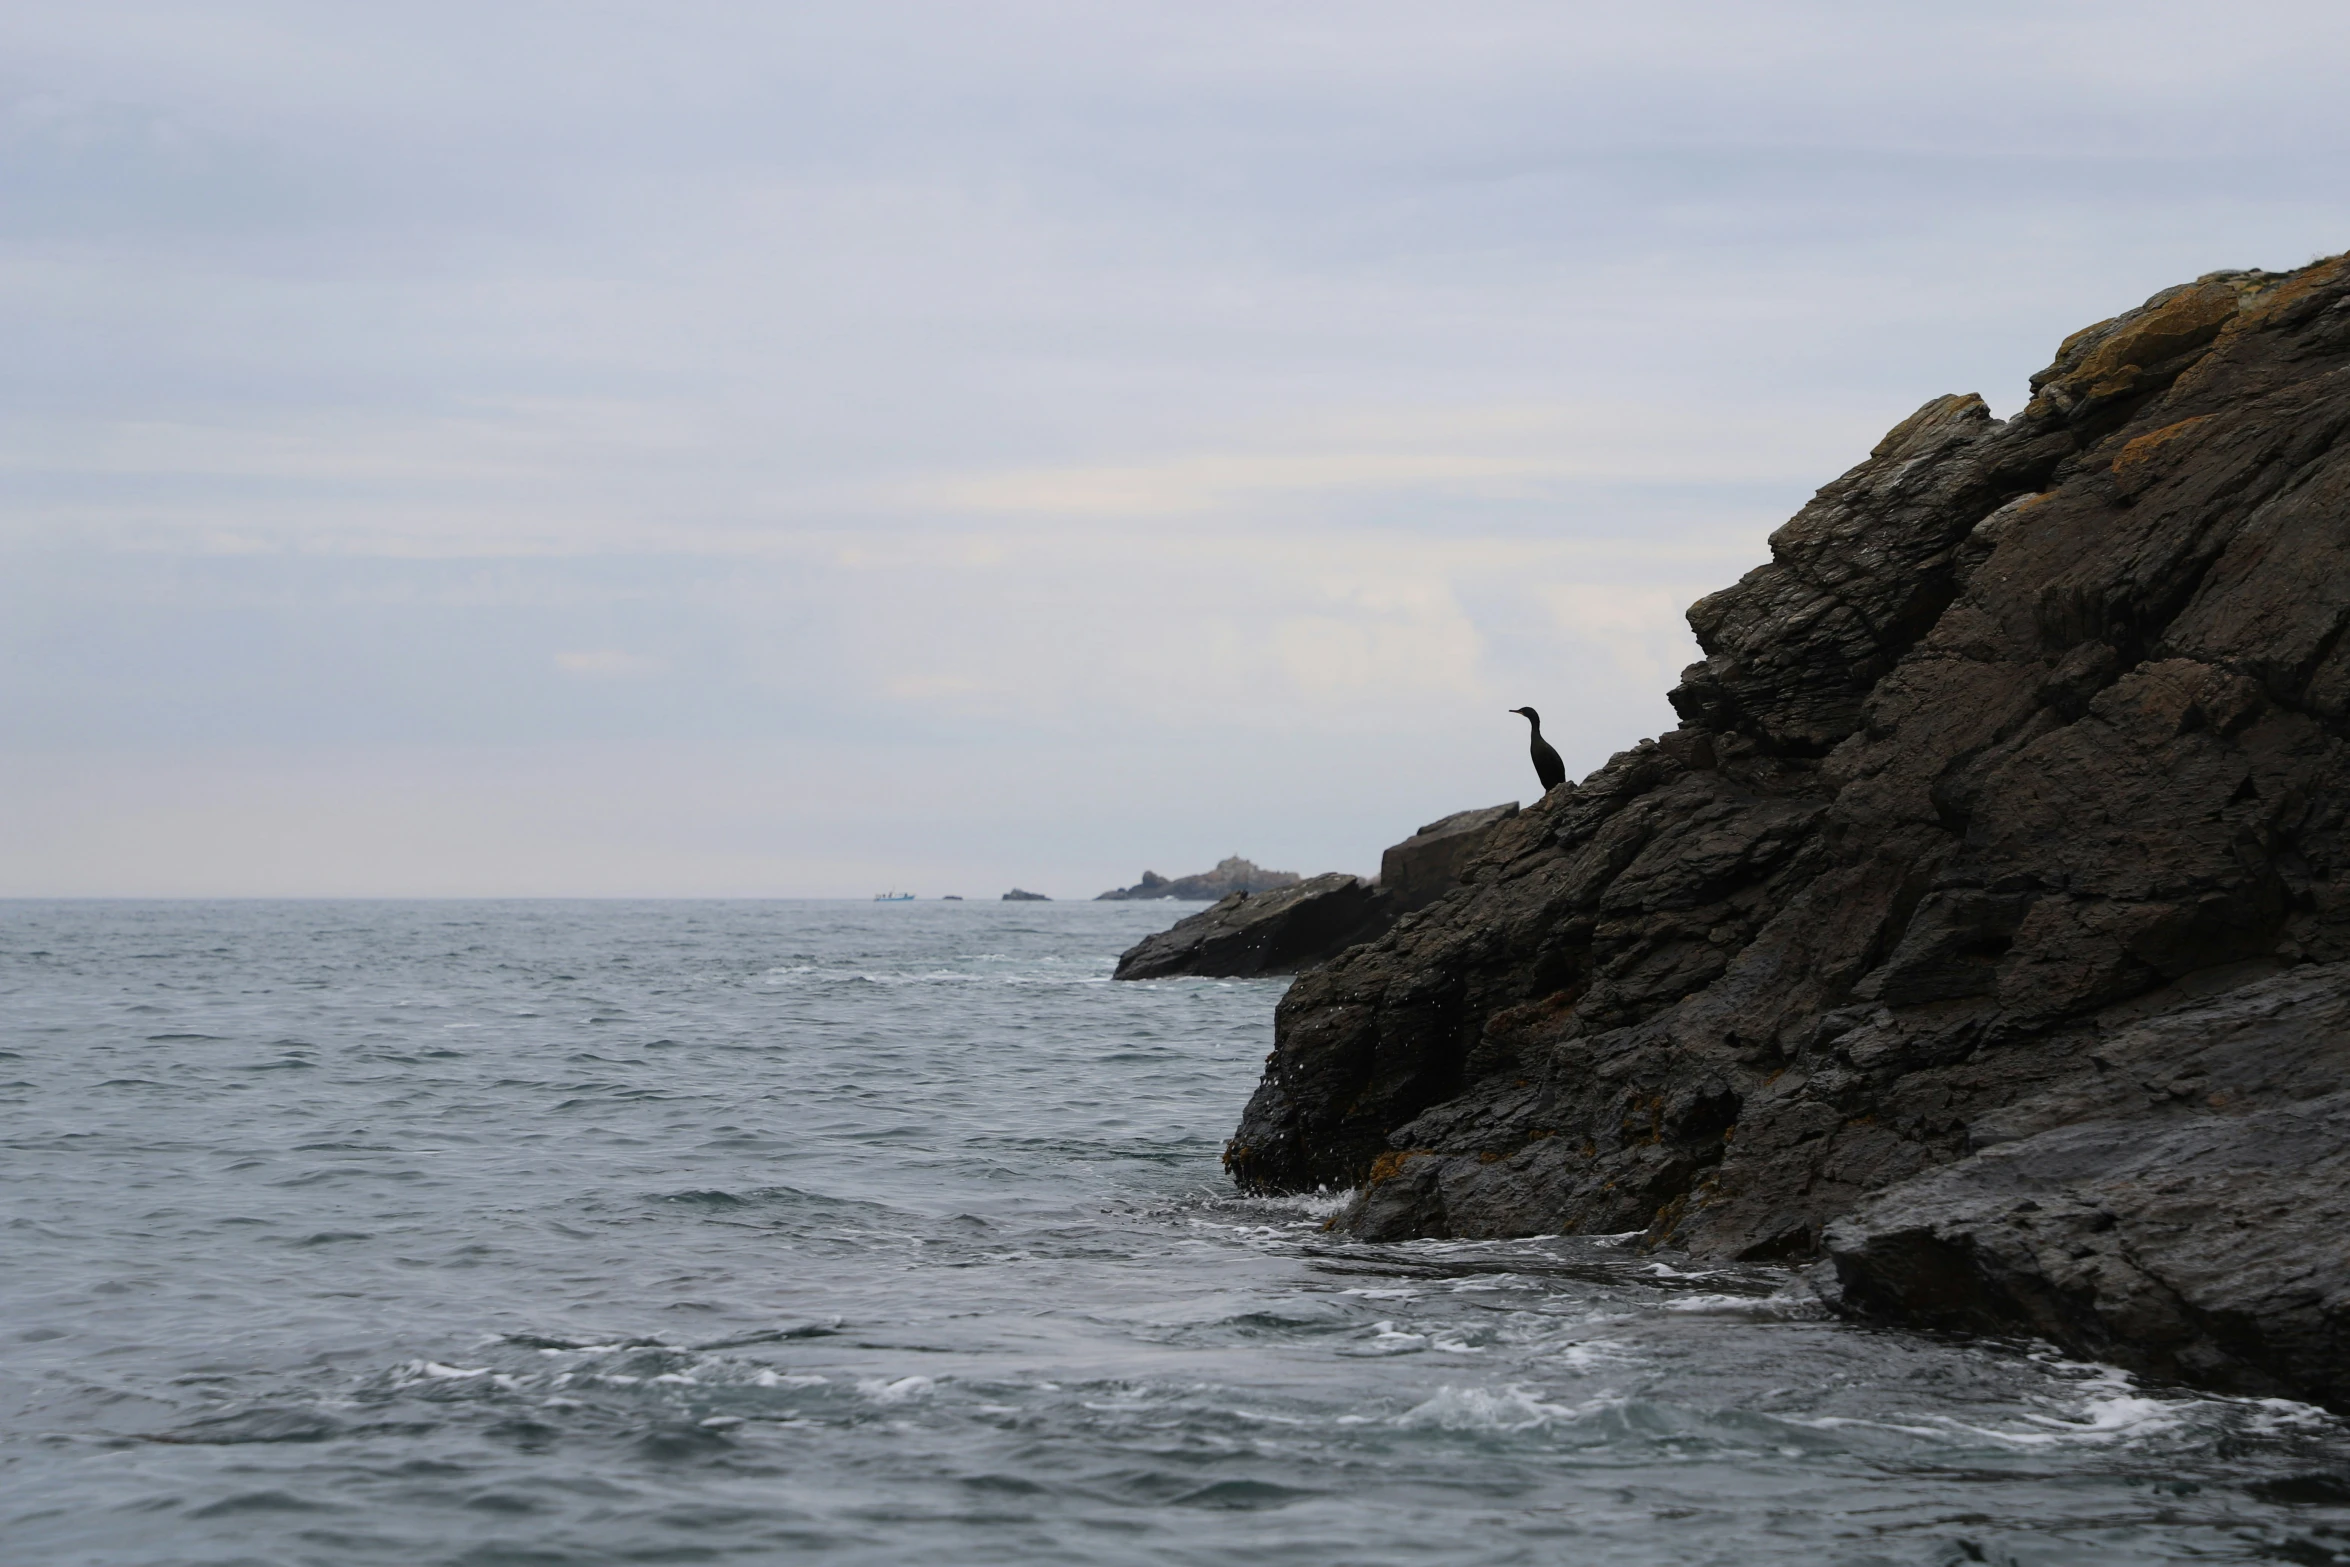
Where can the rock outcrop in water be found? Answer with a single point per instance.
(1277, 932)
(2008, 799)
(1232, 874)
(1299, 923)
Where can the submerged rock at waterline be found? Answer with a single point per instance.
(2031, 734)
(1274, 932)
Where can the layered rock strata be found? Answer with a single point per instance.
(2029, 732)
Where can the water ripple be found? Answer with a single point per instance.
(475, 1233)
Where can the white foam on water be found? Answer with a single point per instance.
(1248, 1216)
(2114, 1412)
(2275, 1416)
(1387, 1338)
(885, 1390)
(1592, 1354)
(1730, 1305)
(1317, 1205)
(2113, 1409)
(768, 1376)
(1512, 1407)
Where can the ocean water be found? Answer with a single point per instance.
(545, 1233)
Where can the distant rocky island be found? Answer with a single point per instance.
(1232, 874)
(1981, 939)
(1022, 895)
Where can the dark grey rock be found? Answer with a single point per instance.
(2030, 743)
(1274, 932)
(2178, 1205)
(1427, 865)
(1231, 875)
(1016, 895)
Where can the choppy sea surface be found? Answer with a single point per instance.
(545, 1233)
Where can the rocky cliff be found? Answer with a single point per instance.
(2031, 734)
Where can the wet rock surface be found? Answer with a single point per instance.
(1274, 932)
(2030, 736)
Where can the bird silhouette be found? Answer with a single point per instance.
(1547, 765)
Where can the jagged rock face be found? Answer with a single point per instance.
(2025, 728)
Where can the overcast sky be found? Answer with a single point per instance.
(803, 449)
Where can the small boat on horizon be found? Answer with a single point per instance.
(893, 897)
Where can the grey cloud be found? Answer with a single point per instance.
(841, 388)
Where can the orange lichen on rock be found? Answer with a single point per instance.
(2145, 446)
(2187, 320)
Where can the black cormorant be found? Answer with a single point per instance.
(1547, 765)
